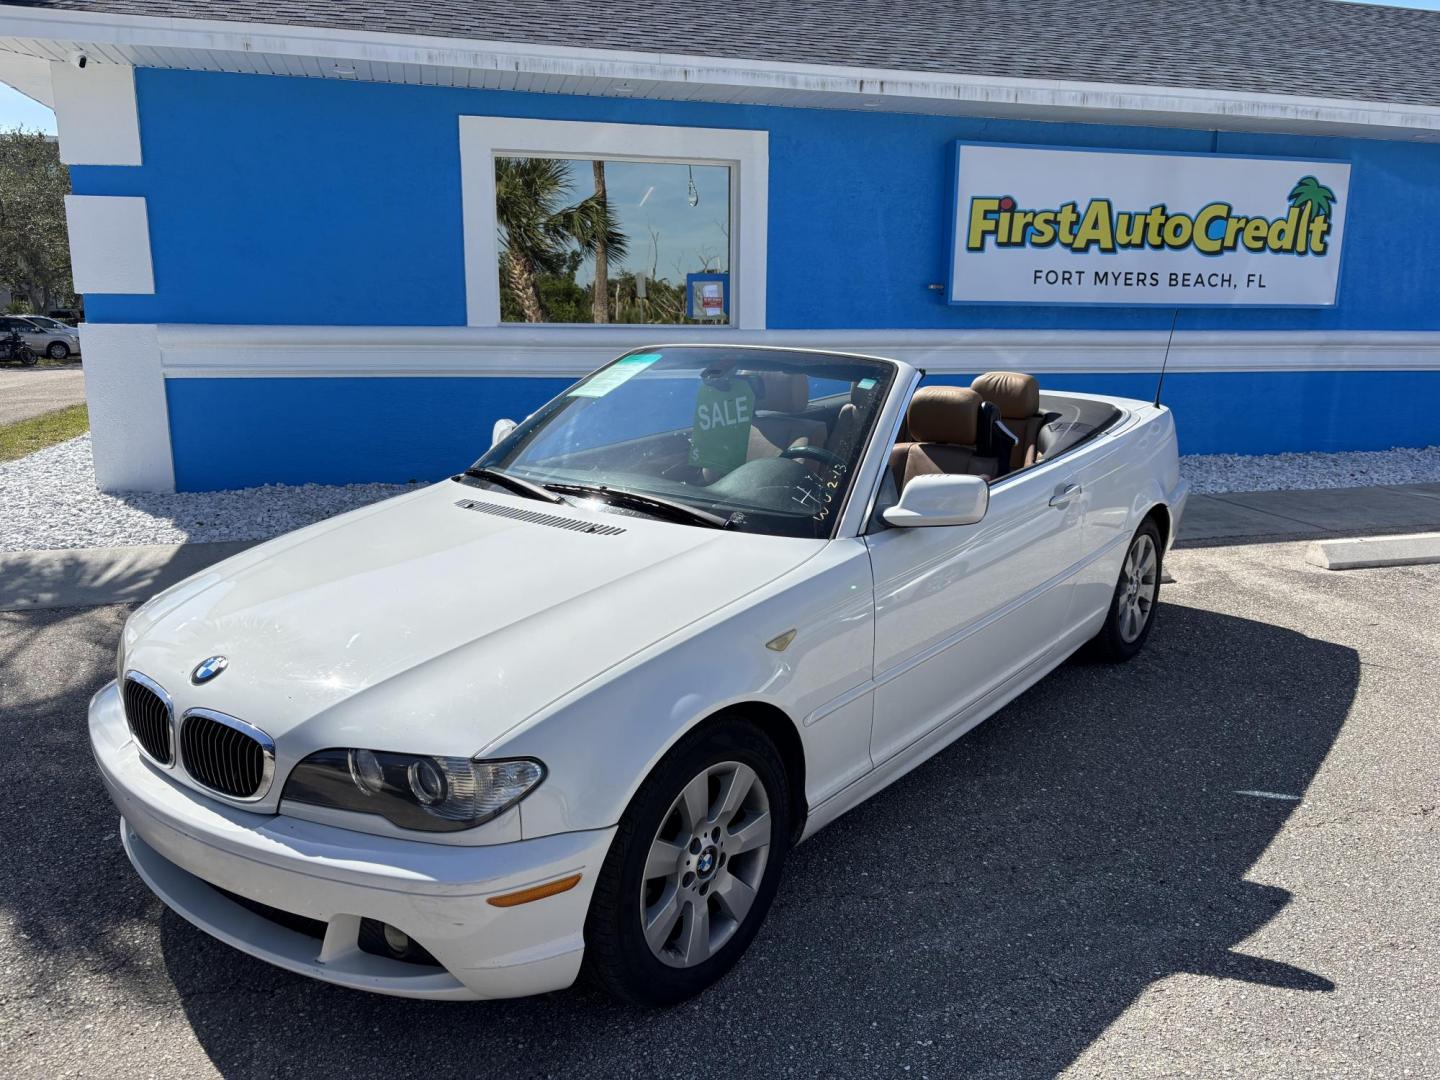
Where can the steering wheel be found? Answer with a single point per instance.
(814, 453)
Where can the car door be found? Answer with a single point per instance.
(37, 337)
(1109, 469)
(25, 329)
(962, 610)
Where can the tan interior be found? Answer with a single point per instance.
(772, 431)
(847, 424)
(942, 423)
(1017, 396)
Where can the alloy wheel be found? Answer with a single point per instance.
(1139, 582)
(705, 864)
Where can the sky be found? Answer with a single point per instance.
(17, 110)
(652, 202)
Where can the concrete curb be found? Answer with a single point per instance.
(91, 577)
(1414, 549)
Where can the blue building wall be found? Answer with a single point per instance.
(300, 201)
(232, 433)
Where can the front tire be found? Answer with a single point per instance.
(26, 357)
(693, 868)
(1132, 608)
(58, 350)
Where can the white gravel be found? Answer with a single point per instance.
(1213, 473)
(48, 500)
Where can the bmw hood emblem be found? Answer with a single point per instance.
(208, 668)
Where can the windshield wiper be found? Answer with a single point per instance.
(654, 504)
(513, 483)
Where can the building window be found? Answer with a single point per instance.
(671, 220)
(596, 241)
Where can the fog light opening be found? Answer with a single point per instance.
(398, 940)
(381, 939)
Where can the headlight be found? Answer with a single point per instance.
(433, 794)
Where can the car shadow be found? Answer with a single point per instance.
(992, 913)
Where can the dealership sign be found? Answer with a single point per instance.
(1036, 225)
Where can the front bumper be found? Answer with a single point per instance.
(186, 846)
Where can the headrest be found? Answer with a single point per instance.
(944, 414)
(1017, 395)
(784, 393)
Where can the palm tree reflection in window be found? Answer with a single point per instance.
(548, 238)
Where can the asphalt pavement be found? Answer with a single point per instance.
(1217, 860)
(27, 392)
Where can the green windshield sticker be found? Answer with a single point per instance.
(866, 384)
(617, 374)
(721, 435)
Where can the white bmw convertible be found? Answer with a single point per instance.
(569, 710)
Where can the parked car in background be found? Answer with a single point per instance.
(573, 706)
(49, 322)
(68, 316)
(44, 335)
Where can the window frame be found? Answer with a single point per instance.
(745, 153)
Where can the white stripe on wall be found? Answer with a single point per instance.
(129, 420)
(198, 351)
(95, 113)
(109, 244)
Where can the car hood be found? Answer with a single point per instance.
(422, 625)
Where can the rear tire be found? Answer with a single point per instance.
(693, 867)
(26, 357)
(1132, 607)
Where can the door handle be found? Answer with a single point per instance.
(1062, 498)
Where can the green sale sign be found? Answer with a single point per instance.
(721, 435)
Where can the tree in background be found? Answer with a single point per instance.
(539, 233)
(600, 294)
(34, 247)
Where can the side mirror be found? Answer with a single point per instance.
(500, 431)
(940, 499)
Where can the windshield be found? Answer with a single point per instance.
(758, 440)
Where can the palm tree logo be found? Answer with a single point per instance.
(1313, 199)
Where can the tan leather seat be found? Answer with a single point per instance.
(1017, 396)
(847, 423)
(943, 421)
(776, 427)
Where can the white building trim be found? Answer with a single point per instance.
(129, 419)
(746, 153)
(319, 52)
(127, 365)
(202, 351)
(28, 74)
(95, 114)
(109, 244)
